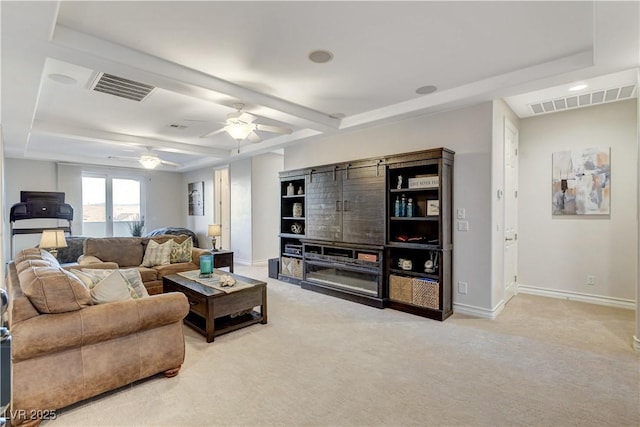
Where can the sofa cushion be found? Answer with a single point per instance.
(148, 274)
(28, 253)
(181, 252)
(157, 254)
(165, 270)
(28, 263)
(125, 251)
(88, 259)
(110, 289)
(54, 290)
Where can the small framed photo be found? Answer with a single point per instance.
(433, 207)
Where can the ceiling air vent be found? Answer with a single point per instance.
(583, 100)
(119, 86)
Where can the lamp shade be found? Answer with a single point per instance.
(52, 239)
(214, 230)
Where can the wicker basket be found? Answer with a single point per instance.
(291, 267)
(400, 289)
(426, 293)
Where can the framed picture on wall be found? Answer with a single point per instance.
(196, 198)
(580, 182)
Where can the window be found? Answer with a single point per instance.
(109, 205)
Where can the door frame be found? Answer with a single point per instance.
(510, 288)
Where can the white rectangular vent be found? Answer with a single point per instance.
(119, 86)
(584, 100)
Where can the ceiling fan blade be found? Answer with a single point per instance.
(246, 117)
(212, 133)
(254, 137)
(168, 163)
(131, 159)
(273, 129)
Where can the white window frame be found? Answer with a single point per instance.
(109, 177)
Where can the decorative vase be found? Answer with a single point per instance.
(290, 190)
(206, 265)
(297, 210)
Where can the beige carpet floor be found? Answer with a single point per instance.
(322, 361)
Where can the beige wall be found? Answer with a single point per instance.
(468, 132)
(558, 253)
(162, 193)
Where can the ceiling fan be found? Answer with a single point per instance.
(148, 160)
(241, 125)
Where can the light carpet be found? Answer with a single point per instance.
(323, 361)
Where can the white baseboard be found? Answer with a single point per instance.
(471, 310)
(250, 263)
(577, 296)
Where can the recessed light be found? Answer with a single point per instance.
(577, 87)
(61, 78)
(424, 90)
(320, 56)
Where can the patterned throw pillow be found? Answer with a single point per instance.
(157, 254)
(181, 252)
(92, 276)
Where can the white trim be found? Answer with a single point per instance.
(577, 296)
(250, 263)
(474, 311)
(636, 343)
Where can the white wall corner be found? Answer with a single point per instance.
(471, 310)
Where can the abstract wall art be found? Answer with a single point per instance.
(196, 198)
(581, 182)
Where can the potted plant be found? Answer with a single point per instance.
(135, 227)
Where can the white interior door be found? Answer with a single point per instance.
(511, 210)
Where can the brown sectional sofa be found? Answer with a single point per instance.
(128, 252)
(65, 349)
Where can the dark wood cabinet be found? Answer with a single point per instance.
(292, 225)
(375, 231)
(419, 239)
(345, 203)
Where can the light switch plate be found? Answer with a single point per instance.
(463, 225)
(460, 213)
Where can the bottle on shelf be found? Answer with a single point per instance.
(396, 207)
(410, 207)
(403, 206)
(290, 189)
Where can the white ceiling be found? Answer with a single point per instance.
(205, 57)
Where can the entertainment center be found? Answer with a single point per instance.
(375, 231)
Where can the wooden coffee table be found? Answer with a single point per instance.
(213, 312)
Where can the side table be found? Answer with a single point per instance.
(223, 259)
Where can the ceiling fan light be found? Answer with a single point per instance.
(149, 162)
(239, 131)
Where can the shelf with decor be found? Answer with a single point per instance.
(292, 226)
(419, 233)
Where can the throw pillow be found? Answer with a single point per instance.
(157, 254)
(134, 281)
(92, 276)
(54, 290)
(181, 252)
(47, 256)
(110, 289)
